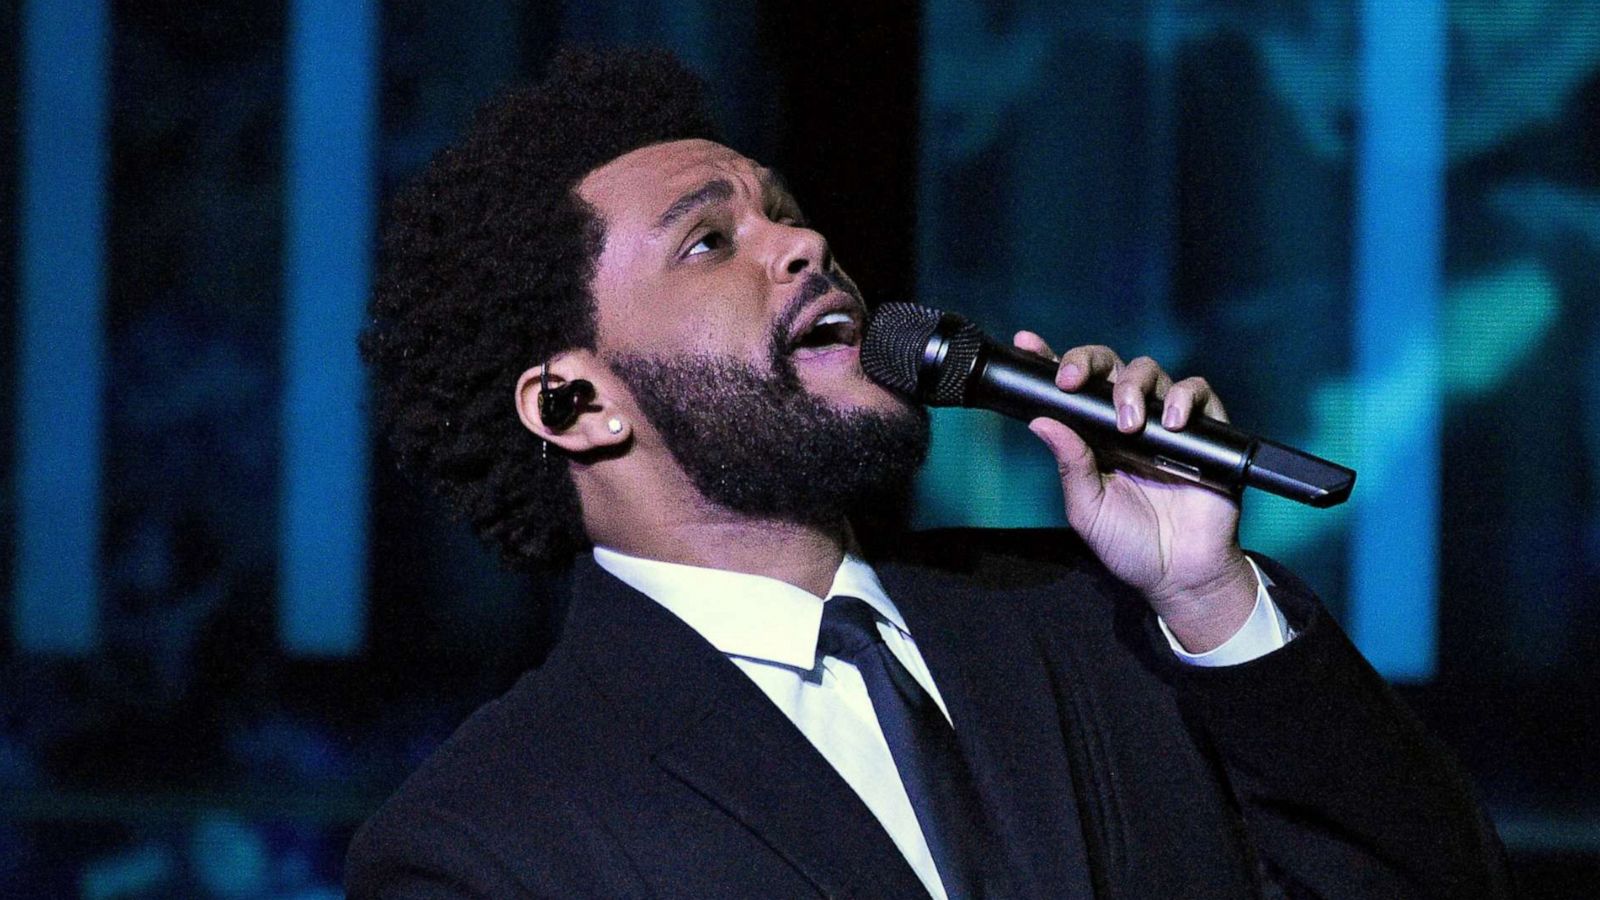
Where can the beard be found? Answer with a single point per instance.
(759, 444)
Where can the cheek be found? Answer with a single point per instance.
(662, 324)
(660, 321)
(634, 313)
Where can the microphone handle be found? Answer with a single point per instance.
(1207, 451)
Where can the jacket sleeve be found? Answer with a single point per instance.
(429, 855)
(1341, 789)
(413, 850)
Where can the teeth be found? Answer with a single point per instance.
(836, 328)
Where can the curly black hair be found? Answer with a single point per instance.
(486, 267)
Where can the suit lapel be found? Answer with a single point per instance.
(993, 680)
(792, 799)
(707, 725)
(1095, 780)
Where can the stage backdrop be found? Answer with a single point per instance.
(230, 628)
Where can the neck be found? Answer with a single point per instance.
(695, 533)
(805, 557)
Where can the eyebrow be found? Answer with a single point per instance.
(773, 181)
(716, 191)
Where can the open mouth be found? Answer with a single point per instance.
(835, 326)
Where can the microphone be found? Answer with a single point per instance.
(942, 359)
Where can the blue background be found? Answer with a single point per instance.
(230, 628)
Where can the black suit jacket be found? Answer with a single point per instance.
(639, 762)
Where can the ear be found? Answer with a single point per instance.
(599, 424)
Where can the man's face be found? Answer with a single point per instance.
(738, 338)
(707, 254)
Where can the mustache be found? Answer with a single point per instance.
(816, 284)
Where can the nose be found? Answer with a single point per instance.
(796, 251)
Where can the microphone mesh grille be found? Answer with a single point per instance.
(891, 353)
(897, 340)
(956, 369)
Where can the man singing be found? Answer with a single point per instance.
(614, 344)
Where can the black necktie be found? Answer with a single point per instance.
(923, 744)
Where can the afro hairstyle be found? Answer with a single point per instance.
(486, 264)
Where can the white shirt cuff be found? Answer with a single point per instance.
(1264, 631)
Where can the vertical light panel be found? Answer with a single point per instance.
(1399, 230)
(329, 216)
(60, 339)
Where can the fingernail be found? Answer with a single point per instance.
(1037, 428)
(1169, 418)
(1070, 372)
(1125, 417)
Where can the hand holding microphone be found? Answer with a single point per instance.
(1174, 542)
(942, 359)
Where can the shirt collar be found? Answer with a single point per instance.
(752, 616)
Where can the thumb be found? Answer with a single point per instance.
(1081, 485)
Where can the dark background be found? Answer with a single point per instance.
(1172, 178)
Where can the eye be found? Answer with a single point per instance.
(709, 243)
(788, 215)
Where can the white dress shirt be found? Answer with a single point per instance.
(769, 628)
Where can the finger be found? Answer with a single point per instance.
(1184, 398)
(1027, 340)
(1082, 363)
(1082, 489)
(1140, 379)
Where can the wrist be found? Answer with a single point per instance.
(1205, 614)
